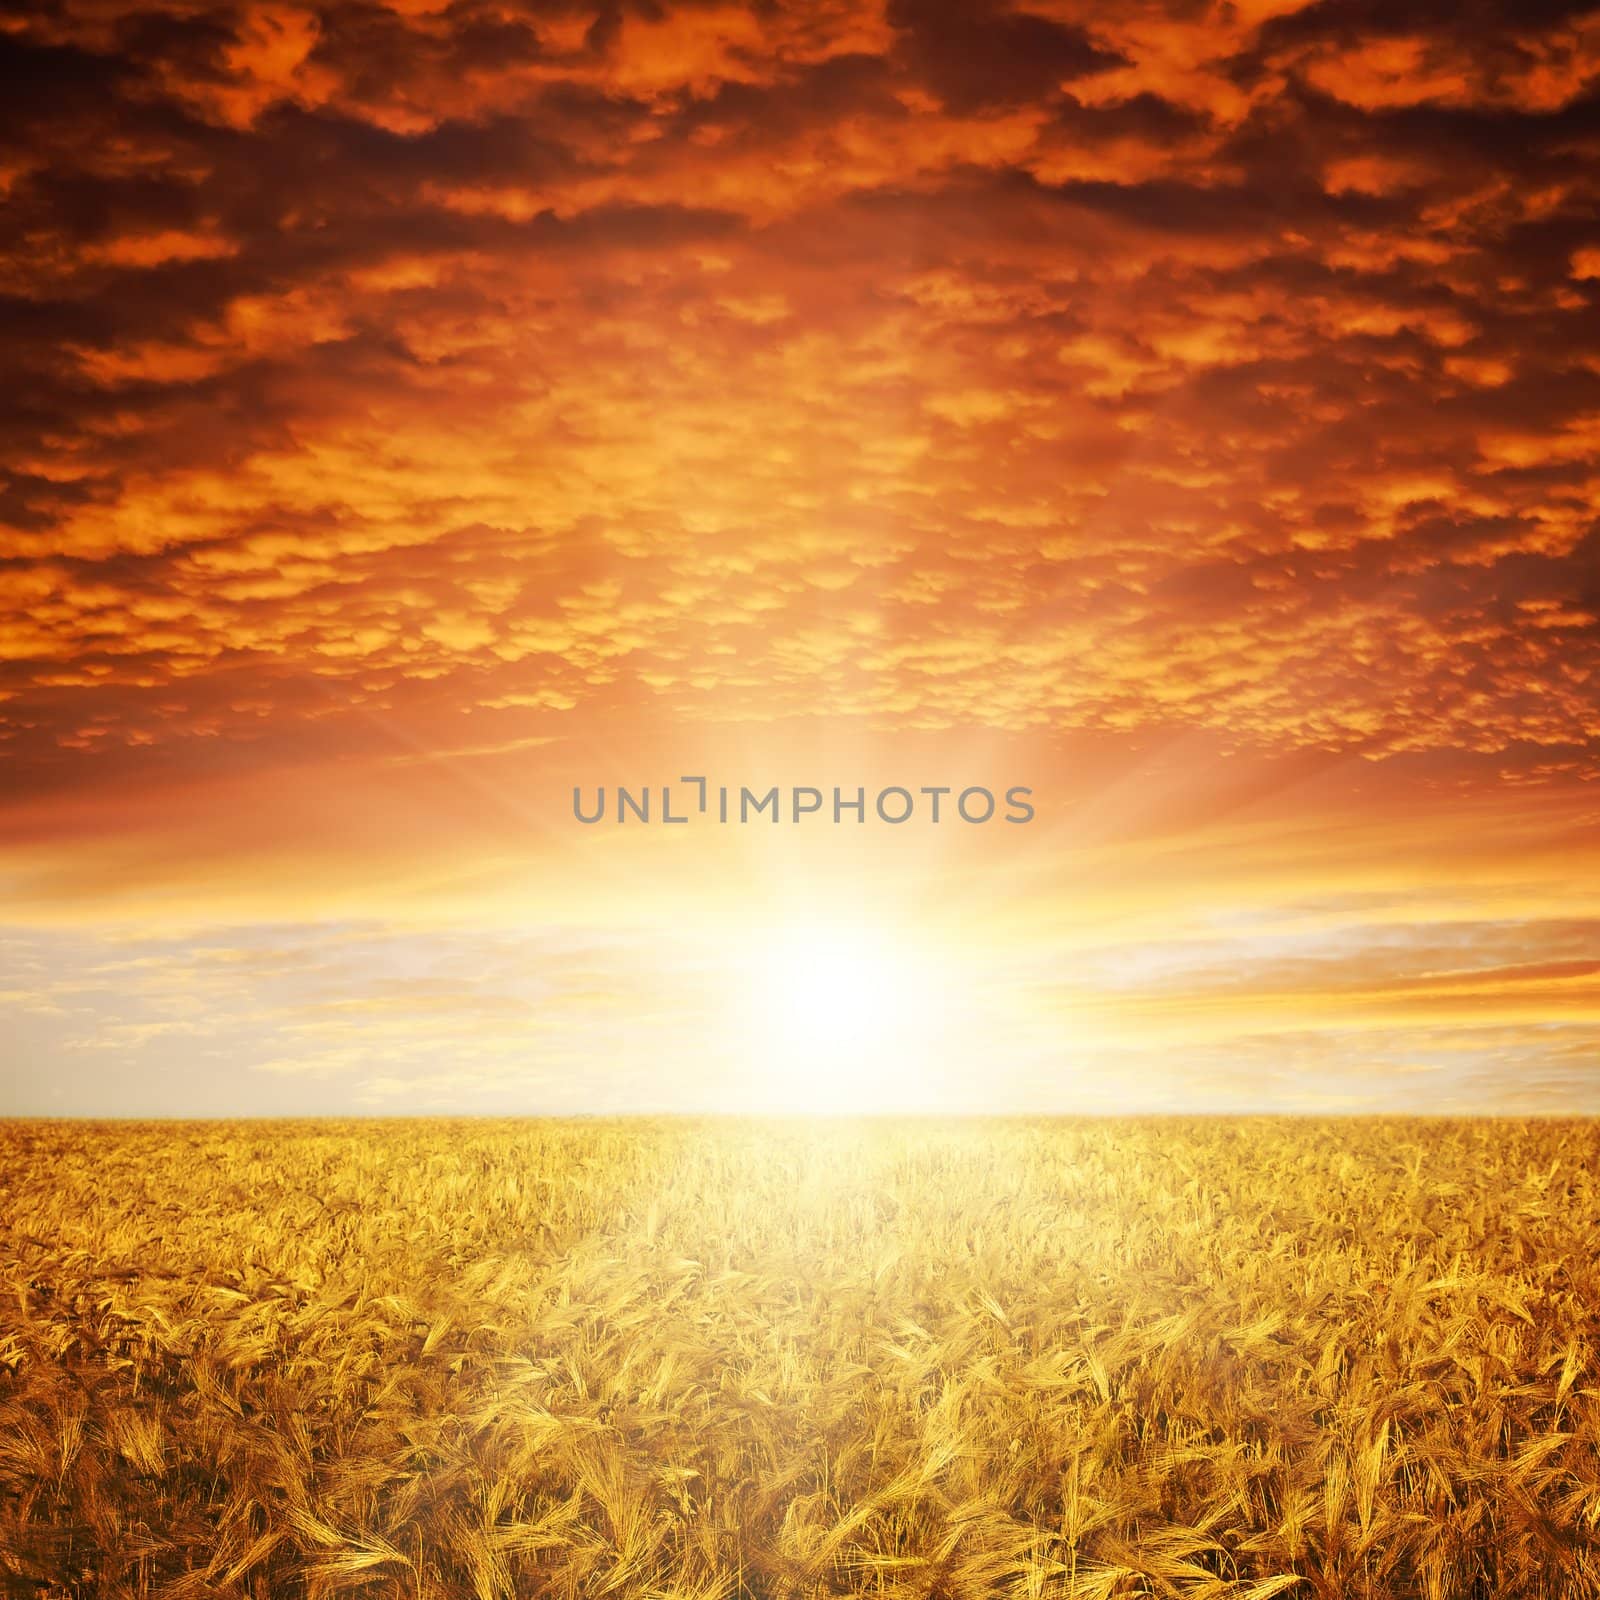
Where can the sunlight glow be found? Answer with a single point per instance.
(843, 1019)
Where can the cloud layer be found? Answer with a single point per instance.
(1046, 366)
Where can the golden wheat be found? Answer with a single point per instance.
(709, 1360)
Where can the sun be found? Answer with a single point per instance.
(839, 1019)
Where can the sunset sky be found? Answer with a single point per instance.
(412, 411)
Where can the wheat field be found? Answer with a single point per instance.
(664, 1358)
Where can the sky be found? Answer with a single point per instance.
(412, 412)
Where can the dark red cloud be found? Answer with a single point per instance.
(1039, 367)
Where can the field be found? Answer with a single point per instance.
(723, 1359)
